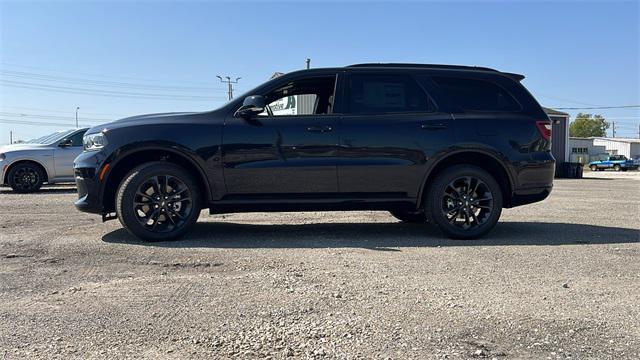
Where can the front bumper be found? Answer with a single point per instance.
(86, 167)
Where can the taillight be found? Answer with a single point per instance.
(545, 129)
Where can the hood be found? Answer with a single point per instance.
(151, 119)
(159, 116)
(23, 147)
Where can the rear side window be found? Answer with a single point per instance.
(379, 94)
(477, 95)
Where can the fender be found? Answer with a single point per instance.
(465, 148)
(164, 146)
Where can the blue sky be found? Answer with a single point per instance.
(114, 59)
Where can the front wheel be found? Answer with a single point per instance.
(465, 202)
(158, 201)
(594, 168)
(616, 167)
(25, 177)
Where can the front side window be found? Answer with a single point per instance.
(380, 94)
(310, 96)
(76, 139)
(476, 95)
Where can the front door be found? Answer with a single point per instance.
(391, 127)
(64, 155)
(288, 151)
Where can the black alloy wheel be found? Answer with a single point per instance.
(158, 201)
(162, 203)
(25, 178)
(465, 202)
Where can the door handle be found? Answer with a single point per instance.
(320, 129)
(433, 126)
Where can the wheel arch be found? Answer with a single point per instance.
(476, 157)
(128, 159)
(5, 180)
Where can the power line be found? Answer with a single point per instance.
(36, 123)
(597, 107)
(74, 80)
(104, 76)
(57, 111)
(107, 93)
(49, 117)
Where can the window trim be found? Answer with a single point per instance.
(456, 105)
(347, 94)
(298, 78)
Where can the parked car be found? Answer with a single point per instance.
(48, 159)
(615, 162)
(452, 144)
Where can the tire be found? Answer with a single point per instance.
(616, 167)
(164, 219)
(447, 196)
(594, 168)
(25, 177)
(410, 217)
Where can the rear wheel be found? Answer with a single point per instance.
(158, 201)
(410, 216)
(616, 167)
(25, 177)
(594, 168)
(465, 202)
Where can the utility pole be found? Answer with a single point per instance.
(308, 63)
(77, 108)
(613, 126)
(10, 137)
(230, 83)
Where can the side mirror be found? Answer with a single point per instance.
(65, 143)
(251, 106)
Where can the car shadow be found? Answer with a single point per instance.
(379, 236)
(55, 190)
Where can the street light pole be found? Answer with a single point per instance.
(230, 83)
(77, 108)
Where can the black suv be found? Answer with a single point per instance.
(451, 145)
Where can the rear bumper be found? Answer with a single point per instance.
(534, 181)
(529, 196)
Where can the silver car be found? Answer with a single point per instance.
(26, 166)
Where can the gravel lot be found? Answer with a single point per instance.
(557, 279)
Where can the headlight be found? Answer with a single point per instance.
(95, 141)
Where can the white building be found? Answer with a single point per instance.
(584, 150)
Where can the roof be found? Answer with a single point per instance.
(428, 66)
(554, 112)
(624, 140)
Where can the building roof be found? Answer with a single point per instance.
(554, 112)
(624, 140)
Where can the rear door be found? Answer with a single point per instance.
(390, 129)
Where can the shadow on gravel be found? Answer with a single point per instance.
(380, 236)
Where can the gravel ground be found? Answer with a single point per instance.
(557, 279)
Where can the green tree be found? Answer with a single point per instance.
(587, 125)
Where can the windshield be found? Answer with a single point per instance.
(51, 138)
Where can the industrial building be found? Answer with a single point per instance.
(584, 150)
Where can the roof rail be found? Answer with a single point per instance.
(432, 66)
